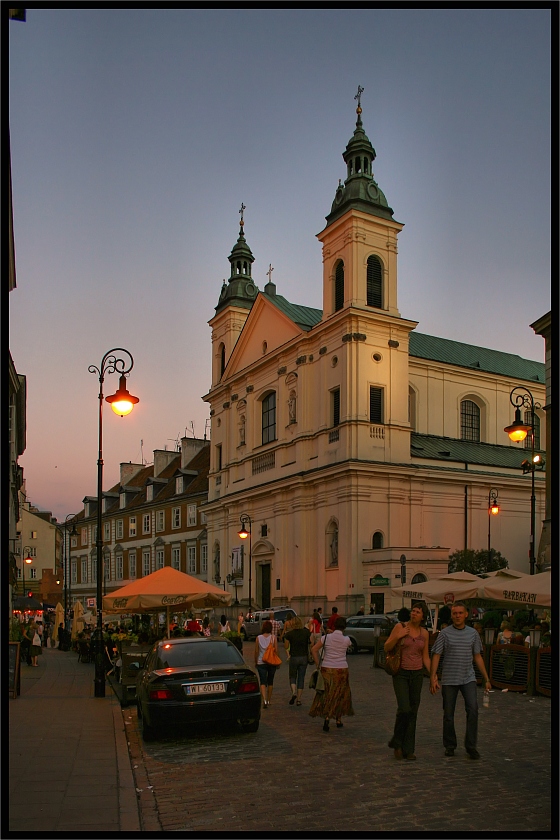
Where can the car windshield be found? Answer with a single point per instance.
(189, 655)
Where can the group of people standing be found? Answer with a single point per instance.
(457, 646)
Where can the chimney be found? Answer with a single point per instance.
(189, 448)
(162, 459)
(128, 471)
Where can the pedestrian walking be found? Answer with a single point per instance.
(266, 672)
(206, 629)
(332, 618)
(336, 700)
(224, 625)
(240, 622)
(459, 645)
(408, 681)
(314, 627)
(276, 626)
(35, 649)
(26, 639)
(296, 641)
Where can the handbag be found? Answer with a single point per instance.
(270, 656)
(36, 640)
(393, 659)
(316, 680)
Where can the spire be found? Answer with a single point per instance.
(240, 289)
(360, 190)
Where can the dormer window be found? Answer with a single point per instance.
(179, 484)
(150, 493)
(122, 500)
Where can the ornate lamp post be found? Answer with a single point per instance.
(521, 397)
(243, 534)
(67, 562)
(27, 559)
(122, 403)
(493, 510)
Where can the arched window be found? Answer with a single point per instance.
(377, 541)
(374, 282)
(339, 286)
(419, 578)
(269, 418)
(537, 425)
(470, 421)
(222, 359)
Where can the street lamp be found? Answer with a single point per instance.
(493, 510)
(28, 559)
(243, 534)
(521, 397)
(67, 562)
(122, 402)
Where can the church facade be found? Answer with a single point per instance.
(352, 445)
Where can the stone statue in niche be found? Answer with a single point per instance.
(292, 407)
(217, 564)
(334, 547)
(242, 430)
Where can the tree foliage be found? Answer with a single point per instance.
(476, 562)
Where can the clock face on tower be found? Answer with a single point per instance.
(339, 195)
(250, 290)
(373, 192)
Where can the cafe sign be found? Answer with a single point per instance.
(379, 581)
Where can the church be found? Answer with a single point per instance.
(351, 447)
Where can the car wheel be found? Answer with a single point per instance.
(354, 647)
(250, 725)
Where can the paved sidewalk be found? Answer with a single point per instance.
(69, 762)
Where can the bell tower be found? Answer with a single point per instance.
(360, 238)
(236, 299)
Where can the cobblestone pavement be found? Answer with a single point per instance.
(292, 776)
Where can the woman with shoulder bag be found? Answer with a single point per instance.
(296, 642)
(408, 681)
(266, 670)
(33, 634)
(336, 699)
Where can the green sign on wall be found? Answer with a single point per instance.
(379, 581)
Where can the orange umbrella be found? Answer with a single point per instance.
(165, 588)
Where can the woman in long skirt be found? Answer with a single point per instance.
(336, 700)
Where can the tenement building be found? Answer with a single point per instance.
(151, 518)
(349, 439)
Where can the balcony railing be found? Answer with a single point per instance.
(377, 432)
(334, 435)
(264, 462)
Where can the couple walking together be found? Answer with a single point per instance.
(459, 644)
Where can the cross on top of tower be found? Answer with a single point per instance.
(242, 208)
(269, 272)
(359, 98)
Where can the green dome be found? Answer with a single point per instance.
(240, 289)
(360, 190)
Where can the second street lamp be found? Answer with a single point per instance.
(122, 403)
(27, 559)
(493, 510)
(243, 534)
(521, 397)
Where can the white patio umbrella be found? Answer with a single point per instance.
(77, 621)
(528, 590)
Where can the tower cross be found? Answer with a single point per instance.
(359, 96)
(269, 272)
(242, 208)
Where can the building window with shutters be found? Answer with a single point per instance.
(83, 536)
(191, 559)
(269, 418)
(470, 421)
(335, 407)
(119, 529)
(176, 557)
(84, 570)
(107, 531)
(376, 405)
(132, 565)
(176, 517)
(204, 559)
(191, 515)
(132, 526)
(145, 563)
(159, 558)
(339, 286)
(119, 567)
(374, 283)
(146, 523)
(537, 425)
(160, 520)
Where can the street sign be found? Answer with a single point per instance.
(379, 581)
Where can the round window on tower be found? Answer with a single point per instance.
(377, 357)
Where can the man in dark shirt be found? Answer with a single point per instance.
(332, 619)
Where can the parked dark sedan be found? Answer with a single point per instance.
(193, 680)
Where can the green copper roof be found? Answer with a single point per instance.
(466, 451)
(476, 358)
(360, 190)
(240, 290)
(303, 316)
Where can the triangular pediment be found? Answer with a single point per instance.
(265, 324)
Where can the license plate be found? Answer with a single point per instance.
(206, 688)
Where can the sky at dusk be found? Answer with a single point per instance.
(137, 134)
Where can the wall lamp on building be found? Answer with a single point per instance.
(122, 403)
(243, 534)
(493, 510)
(520, 397)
